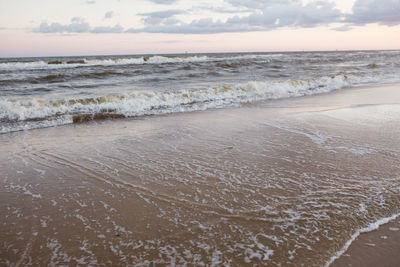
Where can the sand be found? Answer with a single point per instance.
(377, 248)
(281, 182)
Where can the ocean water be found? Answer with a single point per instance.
(44, 92)
(275, 185)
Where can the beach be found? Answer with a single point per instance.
(276, 182)
(375, 248)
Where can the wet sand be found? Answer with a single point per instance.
(377, 248)
(282, 182)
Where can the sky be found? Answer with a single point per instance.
(95, 27)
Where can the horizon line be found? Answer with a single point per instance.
(191, 53)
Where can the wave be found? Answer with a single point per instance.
(71, 63)
(371, 227)
(138, 103)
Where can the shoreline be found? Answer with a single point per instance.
(349, 255)
(261, 184)
(378, 245)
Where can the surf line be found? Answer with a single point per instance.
(371, 227)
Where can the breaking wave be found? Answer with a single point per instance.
(60, 63)
(14, 114)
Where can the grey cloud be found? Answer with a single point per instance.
(162, 14)
(202, 26)
(161, 17)
(171, 21)
(109, 15)
(268, 15)
(296, 15)
(262, 15)
(77, 25)
(385, 12)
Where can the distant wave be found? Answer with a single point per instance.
(71, 63)
(61, 77)
(17, 114)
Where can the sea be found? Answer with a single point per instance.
(46, 92)
(222, 159)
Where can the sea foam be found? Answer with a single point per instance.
(57, 64)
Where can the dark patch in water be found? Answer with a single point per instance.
(58, 62)
(213, 73)
(101, 74)
(80, 118)
(194, 75)
(54, 62)
(81, 61)
(276, 67)
(187, 67)
(142, 72)
(233, 64)
(42, 89)
(154, 80)
(51, 78)
(223, 65)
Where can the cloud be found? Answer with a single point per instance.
(109, 15)
(77, 25)
(385, 12)
(294, 14)
(106, 29)
(255, 15)
(225, 10)
(266, 15)
(162, 14)
(161, 17)
(201, 26)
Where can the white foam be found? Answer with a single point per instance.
(137, 103)
(103, 62)
(369, 228)
(43, 223)
(28, 125)
(41, 64)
